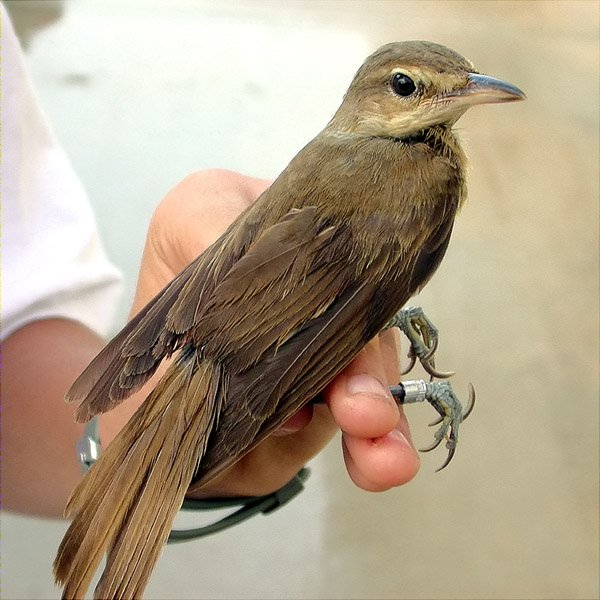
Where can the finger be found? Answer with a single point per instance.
(190, 218)
(390, 352)
(201, 207)
(296, 422)
(359, 398)
(378, 464)
(274, 461)
(376, 438)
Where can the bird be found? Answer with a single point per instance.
(263, 320)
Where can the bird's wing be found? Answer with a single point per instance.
(283, 314)
(285, 320)
(431, 254)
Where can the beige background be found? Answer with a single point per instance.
(140, 93)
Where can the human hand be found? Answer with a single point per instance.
(375, 434)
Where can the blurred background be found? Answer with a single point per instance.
(142, 92)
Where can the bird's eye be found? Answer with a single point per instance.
(402, 84)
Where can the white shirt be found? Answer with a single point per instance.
(53, 264)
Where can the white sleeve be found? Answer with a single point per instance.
(53, 264)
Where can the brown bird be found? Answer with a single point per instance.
(267, 316)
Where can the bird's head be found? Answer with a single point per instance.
(407, 87)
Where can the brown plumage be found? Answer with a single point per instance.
(275, 308)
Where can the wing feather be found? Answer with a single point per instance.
(290, 372)
(134, 354)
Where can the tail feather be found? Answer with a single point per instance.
(126, 503)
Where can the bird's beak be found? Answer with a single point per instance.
(483, 89)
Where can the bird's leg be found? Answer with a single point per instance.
(441, 396)
(423, 337)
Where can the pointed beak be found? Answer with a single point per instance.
(483, 89)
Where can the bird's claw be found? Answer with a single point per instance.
(423, 337)
(429, 367)
(471, 403)
(442, 397)
(412, 360)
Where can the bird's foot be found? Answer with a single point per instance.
(423, 337)
(441, 396)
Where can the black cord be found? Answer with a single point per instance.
(250, 506)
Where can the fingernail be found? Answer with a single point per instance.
(397, 434)
(402, 437)
(366, 384)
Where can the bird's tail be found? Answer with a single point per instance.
(126, 503)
